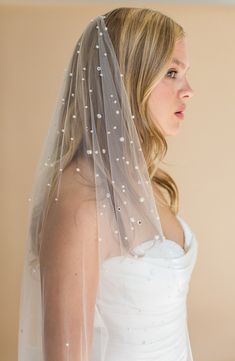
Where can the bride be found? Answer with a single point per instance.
(108, 259)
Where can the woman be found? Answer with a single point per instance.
(108, 259)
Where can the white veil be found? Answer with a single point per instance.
(93, 130)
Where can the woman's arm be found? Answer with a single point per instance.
(69, 278)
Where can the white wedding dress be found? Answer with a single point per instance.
(143, 310)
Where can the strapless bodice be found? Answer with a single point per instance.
(142, 311)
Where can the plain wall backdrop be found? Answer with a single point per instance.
(36, 44)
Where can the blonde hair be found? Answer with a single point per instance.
(143, 40)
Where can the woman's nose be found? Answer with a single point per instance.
(187, 91)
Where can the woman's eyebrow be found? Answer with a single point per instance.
(180, 63)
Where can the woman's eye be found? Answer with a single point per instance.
(170, 72)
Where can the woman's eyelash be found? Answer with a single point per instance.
(172, 71)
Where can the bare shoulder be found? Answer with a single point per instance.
(70, 221)
(75, 210)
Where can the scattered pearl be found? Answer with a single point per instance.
(99, 116)
(121, 139)
(77, 169)
(97, 46)
(117, 112)
(141, 199)
(114, 127)
(89, 151)
(71, 138)
(105, 54)
(108, 195)
(98, 68)
(104, 151)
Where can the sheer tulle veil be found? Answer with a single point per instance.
(93, 128)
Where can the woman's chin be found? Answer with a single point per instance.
(171, 132)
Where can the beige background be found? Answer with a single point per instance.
(36, 43)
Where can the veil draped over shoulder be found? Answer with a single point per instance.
(92, 152)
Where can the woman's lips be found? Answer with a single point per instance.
(180, 115)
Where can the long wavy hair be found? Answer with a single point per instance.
(143, 40)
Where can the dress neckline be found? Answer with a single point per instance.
(139, 247)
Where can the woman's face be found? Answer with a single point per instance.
(171, 93)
